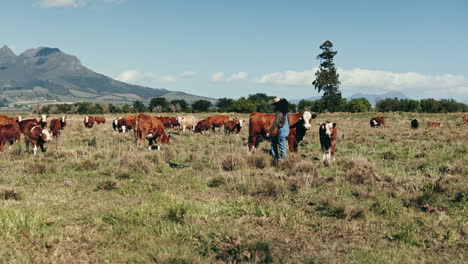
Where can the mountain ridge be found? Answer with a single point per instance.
(55, 76)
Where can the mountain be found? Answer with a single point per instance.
(372, 98)
(47, 74)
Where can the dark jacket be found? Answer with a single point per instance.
(280, 119)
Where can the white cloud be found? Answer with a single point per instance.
(147, 78)
(72, 3)
(217, 77)
(59, 3)
(237, 76)
(371, 81)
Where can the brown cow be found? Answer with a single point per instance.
(260, 123)
(37, 136)
(168, 122)
(9, 133)
(100, 120)
(234, 125)
(433, 124)
(88, 121)
(151, 128)
(57, 125)
(377, 121)
(124, 124)
(217, 121)
(202, 126)
(5, 120)
(328, 134)
(465, 119)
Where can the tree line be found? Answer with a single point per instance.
(259, 102)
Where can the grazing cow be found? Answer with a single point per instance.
(100, 120)
(168, 122)
(465, 119)
(88, 121)
(234, 125)
(188, 121)
(414, 124)
(217, 121)
(260, 123)
(202, 126)
(377, 121)
(37, 136)
(9, 133)
(125, 123)
(328, 134)
(150, 128)
(57, 125)
(433, 124)
(43, 121)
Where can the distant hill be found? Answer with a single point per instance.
(372, 98)
(49, 75)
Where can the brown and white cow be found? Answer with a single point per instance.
(100, 120)
(328, 134)
(124, 124)
(188, 121)
(202, 126)
(57, 125)
(260, 123)
(433, 124)
(150, 128)
(37, 136)
(377, 121)
(88, 121)
(465, 119)
(233, 126)
(9, 133)
(217, 121)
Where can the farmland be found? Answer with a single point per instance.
(393, 195)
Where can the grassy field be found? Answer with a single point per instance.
(393, 195)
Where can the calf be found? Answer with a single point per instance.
(414, 124)
(88, 121)
(100, 120)
(124, 124)
(202, 126)
(57, 125)
(328, 134)
(234, 125)
(37, 136)
(9, 133)
(168, 122)
(377, 121)
(433, 124)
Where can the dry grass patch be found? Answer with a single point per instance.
(360, 171)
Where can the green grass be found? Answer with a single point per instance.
(95, 197)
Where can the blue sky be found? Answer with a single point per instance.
(227, 48)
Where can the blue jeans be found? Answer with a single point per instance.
(280, 140)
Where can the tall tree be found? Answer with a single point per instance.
(326, 79)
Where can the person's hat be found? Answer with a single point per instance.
(275, 100)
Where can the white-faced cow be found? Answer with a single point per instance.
(328, 134)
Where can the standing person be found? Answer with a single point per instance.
(281, 123)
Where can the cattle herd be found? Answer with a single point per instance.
(153, 129)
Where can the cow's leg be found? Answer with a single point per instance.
(123, 129)
(292, 144)
(26, 142)
(35, 150)
(43, 149)
(253, 142)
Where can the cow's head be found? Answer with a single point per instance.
(164, 139)
(307, 117)
(86, 119)
(241, 123)
(19, 118)
(326, 128)
(179, 119)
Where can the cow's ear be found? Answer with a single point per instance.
(334, 124)
(314, 116)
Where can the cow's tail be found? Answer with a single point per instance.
(136, 130)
